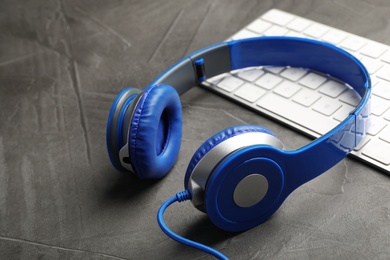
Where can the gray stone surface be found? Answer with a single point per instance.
(62, 64)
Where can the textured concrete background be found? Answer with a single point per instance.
(62, 64)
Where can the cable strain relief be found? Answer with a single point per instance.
(183, 195)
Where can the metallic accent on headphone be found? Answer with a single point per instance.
(204, 168)
(124, 155)
(113, 124)
(197, 194)
(183, 75)
(250, 190)
(216, 60)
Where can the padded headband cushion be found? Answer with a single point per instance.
(155, 132)
(217, 139)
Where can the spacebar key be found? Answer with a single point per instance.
(297, 114)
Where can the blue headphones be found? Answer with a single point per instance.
(241, 175)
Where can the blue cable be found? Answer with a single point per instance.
(182, 196)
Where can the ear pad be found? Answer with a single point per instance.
(217, 139)
(155, 132)
(115, 125)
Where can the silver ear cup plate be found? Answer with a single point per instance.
(203, 170)
(124, 155)
(113, 126)
(250, 190)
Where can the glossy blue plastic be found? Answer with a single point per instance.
(306, 163)
(220, 205)
(298, 52)
(294, 167)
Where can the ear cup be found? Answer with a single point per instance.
(218, 138)
(155, 132)
(231, 180)
(115, 124)
(259, 182)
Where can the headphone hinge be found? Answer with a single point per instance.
(200, 70)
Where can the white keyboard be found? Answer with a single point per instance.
(307, 101)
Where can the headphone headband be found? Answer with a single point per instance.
(266, 51)
(287, 51)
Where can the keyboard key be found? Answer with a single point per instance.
(299, 24)
(306, 97)
(362, 127)
(275, 30)
(385, 134)
(386, 57)
(353, 43)
(230, 83)
(251, 74)
(259, 26)
(326, 106)
(316, 30)
(343, 112)
(244, 34)
(373, 50)
(250, 92)
(332, 88)
(274, 70)
(375, 150)
(278, 17)
(296, 113)
(362, 143)
(293, 74)
(379, 105)
(287, 89)
(371, 65)
(348, 138)
(295, 34)
(312, 80)
(387, 115)
(382, 89)
(350, 97)
(375, 125)
(268, 81)
(357, 55)
(375, 81)
(334, 36)
(384, 73)
(214, 80)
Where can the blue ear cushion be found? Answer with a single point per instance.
(155, 132)
(217, 139)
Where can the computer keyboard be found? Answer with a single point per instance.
(306, 100)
